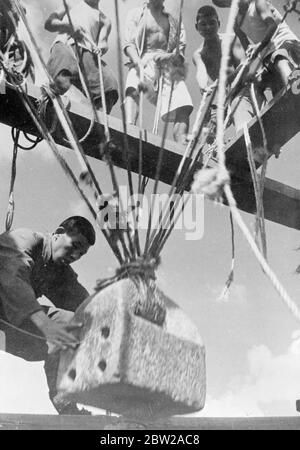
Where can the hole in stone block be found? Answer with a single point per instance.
(72, 374)
(102, 365)
(105, 331)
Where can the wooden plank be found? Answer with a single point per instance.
(40, 422)
(282, 203)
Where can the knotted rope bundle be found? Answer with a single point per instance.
(150, 305)
(211, 182)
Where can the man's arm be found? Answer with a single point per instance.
(264, 11)
(242, 37)
(56, 333)
(18, 298)
(105, 24)
(130, 48)
(57, 23)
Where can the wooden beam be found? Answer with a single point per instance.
(281, 120)
(282, 203)
(43, 422)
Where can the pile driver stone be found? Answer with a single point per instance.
(129, 365)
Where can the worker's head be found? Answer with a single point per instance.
(207, 22)
(156, 3)
(72, 239)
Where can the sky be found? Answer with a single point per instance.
(252, 341)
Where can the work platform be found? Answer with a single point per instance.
(280, 117)
(44, 422)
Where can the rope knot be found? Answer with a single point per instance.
(149, 303)
(211, 183)
(141, 267)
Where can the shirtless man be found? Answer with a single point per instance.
(207, 58)
(260, 28)
(154, 51)
(92, 29)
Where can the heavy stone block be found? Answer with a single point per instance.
(130, 366)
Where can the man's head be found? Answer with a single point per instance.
(72, 239)
(207, 22)
(156, 3)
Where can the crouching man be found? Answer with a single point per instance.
(33, 265)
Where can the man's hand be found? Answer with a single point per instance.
(161, 58)
(58, 333)
(101, 49)
(252, 50)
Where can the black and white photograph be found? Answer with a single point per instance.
(149, 217)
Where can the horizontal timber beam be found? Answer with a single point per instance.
(281, 202)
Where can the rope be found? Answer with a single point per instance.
(142, 267)
(291, 305)
(262, 177)
(196, 132)
(27, 333)
(157, 177)
(105, 150)
(11, 201)
(67, 126)
(260, 228)
(126, 154)
(33, 142)
(59, 107)
(230, 278)
(158, 104)
(45, 133)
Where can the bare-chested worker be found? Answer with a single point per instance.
(155, 46)
(207, 58)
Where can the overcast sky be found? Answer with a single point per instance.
(252, 341)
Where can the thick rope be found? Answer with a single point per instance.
(291, 305)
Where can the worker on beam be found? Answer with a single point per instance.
(33, 265)
(207, 59)
(155, 46)
(263, 32)
(90, 29)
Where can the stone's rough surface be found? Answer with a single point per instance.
(129, 365)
